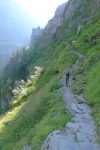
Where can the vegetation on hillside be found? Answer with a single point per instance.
(37, 106)
(16, 69)
(33, 116)
(88, 73)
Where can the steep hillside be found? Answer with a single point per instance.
(69, 17)
(88, 73)
(36, 32)
(37, 108)
(42, 111)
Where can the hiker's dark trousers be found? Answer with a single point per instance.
(67, 80)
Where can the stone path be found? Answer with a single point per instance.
(80, 133)
(28, 147)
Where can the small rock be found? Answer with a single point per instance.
(81, 137)
(75, 109)
(28, 147)
(73, 127)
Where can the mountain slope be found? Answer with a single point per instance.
(38, 109)
(15, 29)
(45, 105)
(69, 17)
(80, 132)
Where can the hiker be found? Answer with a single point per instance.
(68, 73)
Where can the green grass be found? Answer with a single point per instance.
(42, 111)
(88, 73)
(33, 120)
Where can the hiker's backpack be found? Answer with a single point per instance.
(68, 74)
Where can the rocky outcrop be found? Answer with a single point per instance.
(36, 32)
(73, 15)
(48, 34)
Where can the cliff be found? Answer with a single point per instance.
(36, 32)
(73, 15)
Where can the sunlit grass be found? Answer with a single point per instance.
(41, 104)
(8, 117)
(41, 111)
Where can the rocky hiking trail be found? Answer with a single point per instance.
(80, 133)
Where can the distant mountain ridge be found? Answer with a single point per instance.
(6, 50)
(15, 29)
(15, 24)
(74, 14)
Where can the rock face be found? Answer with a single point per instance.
(36, 32)
(48, 34)
(74, 14)
(80, 133)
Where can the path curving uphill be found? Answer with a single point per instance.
(80, 133)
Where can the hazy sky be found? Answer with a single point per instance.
(40, 10)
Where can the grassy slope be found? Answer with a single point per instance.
(42, 111)
(88, 73)
(33, 117)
